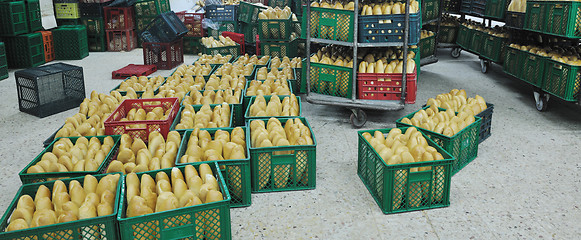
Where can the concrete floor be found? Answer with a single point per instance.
(524, 184)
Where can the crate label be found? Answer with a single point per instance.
(179, 232)
(465, 143)
(327, 77)
(423, 176)
(283, 159)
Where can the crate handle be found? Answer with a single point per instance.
(283, 159)
(536, 5)
(423, 176)
(179, 232)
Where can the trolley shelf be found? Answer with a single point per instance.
(381, 105)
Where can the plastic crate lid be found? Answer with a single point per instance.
(134, 69)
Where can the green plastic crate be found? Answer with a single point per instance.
(43, 177)
(535, 16)
(267, 98)
(279, 3)
(67, 10)
(256, 66)
(33, 13)
(396, 188)
(236, 172)
(155, 91)
(563, 19)
(533, 71)
(192, 45)
(141, 23)
(97, 43)
(250, 31)
(463, 146)
(104, 227)
(448, 34)
(275, 29)
(494, 48)
(151, 8)
(562, 80)
(270, 166)
(251, 76)
(303, 81)
(427, 46)
(465, 35)
(299, 80)
(224, 27)
(512, 62)
(203, 221)
(496, 9)
(3, 62)
(430, 10)
(70, 42)
(178, 118)
(237, 111)
(24, 51)
(229, 50)
(248, 12)
(332, 24)
(331, 80)
(246, 98)
(279, 49)
(94, 26)
(13, 17)
(477, 42)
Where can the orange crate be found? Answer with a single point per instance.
(141, 129)
(48, 46)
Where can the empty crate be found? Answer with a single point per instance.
(70, 42)
(163, 55)
(166, 27)
(46, 90)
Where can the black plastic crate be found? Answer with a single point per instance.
(166, 28)
(486, 124)
(92, 9)
(222, 13)
(515, 19)
(50, 89)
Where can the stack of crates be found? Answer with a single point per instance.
(3, 62)
(47, 42)
(163, 43)
(92, 16)
(193, 22)
(18, 20)
(120, 28)
(67, 12)
(70, 42)
(248, 17)
(224, 17)
(145, 13)
(275, 34)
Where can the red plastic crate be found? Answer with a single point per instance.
(141, 129)
(48, 45)
(119, 18)
(193, 22)
(163, 55)
(121, 40)
(370, 87)
(238, 38)
(134, 70)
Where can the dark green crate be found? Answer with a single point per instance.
(192, 45)
(33, 13)
(251, 76)
(533, 68)
(303, 82)
(203, 221)
(13, 18)
(447, 34)
(103, 227)
(396, 188)
(229, 50)
(224, 27)
(248, 12)
(62, 22)
(303, 20)
(299, 80)
(25, 50)
(562, 80)
(279, 3)
(513, 62)
(496, 9)
(535, 16)
(246, 98)
(3, 62)
(464, 36)
(236, 172)
(151, 8)
(279, 49)
(427, 46)
(237, 111)
(332, 24)
(494, 48)
(97, 43)
(477, 42)
(430, 10)
(43, 177)
(463, 146)
(297, 27)
(178, 118)
(275, 29)
(267, 98)
(94, 26)
(417, 57)
(331, 80)
(70, 42)
(270, 166)
(250, 31)
(563, 18)
(142, 22)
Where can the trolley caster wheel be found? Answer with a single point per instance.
(541, 100)
(358, 118)
(484, 65)
(455, 52)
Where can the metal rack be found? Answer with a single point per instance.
(358, 117)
